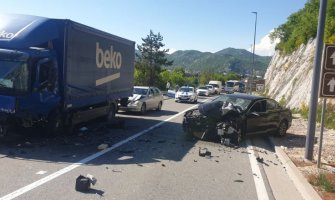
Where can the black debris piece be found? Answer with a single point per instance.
(259, 159)
(83, 183)
(238, 181)
(204, 152)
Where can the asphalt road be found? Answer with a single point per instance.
(149, 157)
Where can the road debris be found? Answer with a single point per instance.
(138, 164)
(204, 152)
(83, 183)
(103, 146)
(259, 159)
(238, 181)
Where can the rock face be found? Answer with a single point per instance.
(289, 77)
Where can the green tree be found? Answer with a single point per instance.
(152, 57)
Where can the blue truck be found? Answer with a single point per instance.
(57, 73)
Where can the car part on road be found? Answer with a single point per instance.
(83, 183)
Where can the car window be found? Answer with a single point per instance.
(241, 102)
(156, 91)
(186, 89)
(151, 92)
(259, 106)
(140, 91)
(271, 105)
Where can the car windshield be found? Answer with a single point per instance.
(14, 75)
(186, 89)
(215, 85)
(204, 88)
(140, 91)
(243, 103)
(209, 86)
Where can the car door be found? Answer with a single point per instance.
(256, 118)
(150, 100)
(158, 96)
(273, 112)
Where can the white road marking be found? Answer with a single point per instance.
(258, 179)
(85, 160)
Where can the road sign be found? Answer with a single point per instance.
(328, 72)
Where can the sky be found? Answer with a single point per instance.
(203, 25)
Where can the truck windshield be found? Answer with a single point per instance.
(230, 84)
(14, 76)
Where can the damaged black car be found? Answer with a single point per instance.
(230, 117)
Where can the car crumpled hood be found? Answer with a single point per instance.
(135, 97)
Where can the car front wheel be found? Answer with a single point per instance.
(143, 109)
(282, 129)
(159, 107)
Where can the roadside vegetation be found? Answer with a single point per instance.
(323, 182)
(301, 26)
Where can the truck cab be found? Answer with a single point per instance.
(29, 87)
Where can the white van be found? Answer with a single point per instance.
(217, 86)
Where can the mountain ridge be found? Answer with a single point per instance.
(225, 60)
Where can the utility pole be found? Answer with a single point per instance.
(253, 55)
(315, 83)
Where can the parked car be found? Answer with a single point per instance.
(144, 98)
(237, 114)
(211, 89)
(186, 94)
(202, 91)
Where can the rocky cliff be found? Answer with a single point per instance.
(289, 77)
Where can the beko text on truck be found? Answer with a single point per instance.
(56, 73)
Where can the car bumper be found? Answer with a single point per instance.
(184, 99)
(130, 108)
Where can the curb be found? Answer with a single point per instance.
(300, 182)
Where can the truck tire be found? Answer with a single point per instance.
(55, 124)
(111, 114)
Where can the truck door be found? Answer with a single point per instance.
(47, 84)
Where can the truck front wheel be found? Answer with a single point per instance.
(111, 113)
(55, 124)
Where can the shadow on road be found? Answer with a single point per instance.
(31, 144)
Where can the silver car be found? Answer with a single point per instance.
(186, 94)
(144, 98)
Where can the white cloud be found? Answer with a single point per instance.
(265, 47)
